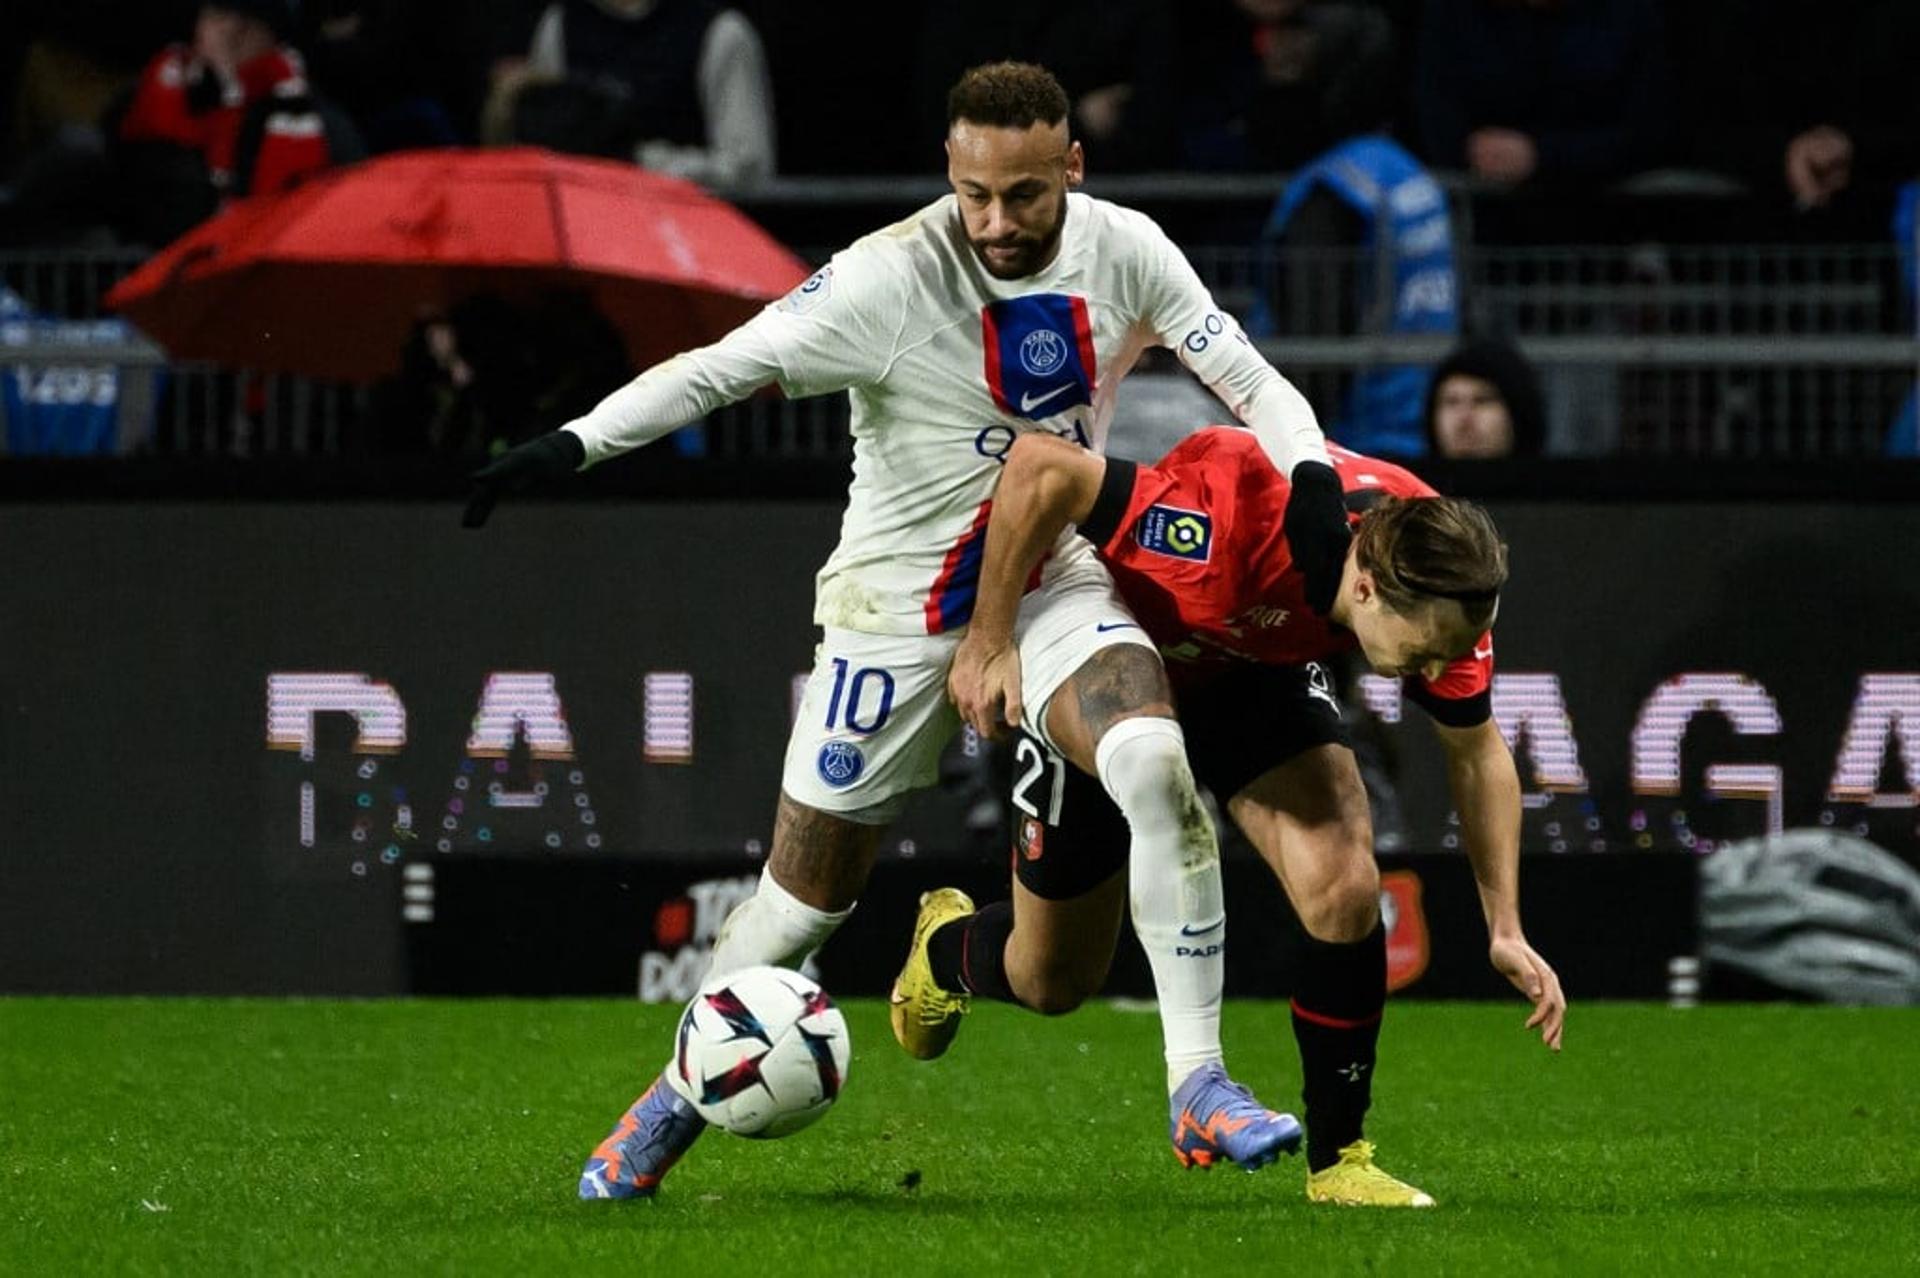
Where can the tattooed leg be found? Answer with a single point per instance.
(1122, 681)
(818, 866)
(821, 858)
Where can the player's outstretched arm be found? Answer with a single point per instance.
(1045, 485)
(554, 455)
(1486, 791)
(822, 337)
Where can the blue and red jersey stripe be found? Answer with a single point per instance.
(950, 602)
(1039, 355)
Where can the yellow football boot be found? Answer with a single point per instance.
(1355, 1182)
(926, 1017)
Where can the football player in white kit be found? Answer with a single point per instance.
(1011, 305)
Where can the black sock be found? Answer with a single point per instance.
(1337, 1003)
(969, 955)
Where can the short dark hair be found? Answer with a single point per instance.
(1420, 549)
(1007, 95)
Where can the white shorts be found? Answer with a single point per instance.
(875, 716)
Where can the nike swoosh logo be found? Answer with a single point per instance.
(1187, 929)
(1105, 626)
(1030, 402)
(1481, 654)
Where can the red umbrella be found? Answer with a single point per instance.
(329, 279)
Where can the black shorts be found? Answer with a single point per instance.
(1068, 837)
(1249, 719)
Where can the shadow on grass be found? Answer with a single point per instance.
(974, 1199)
(877, 1203)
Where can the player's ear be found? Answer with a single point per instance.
(1076, 164)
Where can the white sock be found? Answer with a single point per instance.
(1179, 912)
(771, 926)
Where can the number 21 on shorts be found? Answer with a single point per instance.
(1034, 763)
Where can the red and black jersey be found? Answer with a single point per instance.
(1194, 542)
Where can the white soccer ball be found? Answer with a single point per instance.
(761, 1052)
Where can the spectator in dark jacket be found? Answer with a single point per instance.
(1558, 91)
(1484, 402)
(392, 65)
(681, 86)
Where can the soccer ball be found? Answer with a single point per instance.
(761, 1052)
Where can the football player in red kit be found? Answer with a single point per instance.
(1195, 546)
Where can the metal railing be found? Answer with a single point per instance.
(1751, 351)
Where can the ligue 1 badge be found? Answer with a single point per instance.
(810, 293)
(1175, 532)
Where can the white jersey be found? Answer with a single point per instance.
(945, 364)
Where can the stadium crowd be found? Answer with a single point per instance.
(1807, 105)
(1557, 121)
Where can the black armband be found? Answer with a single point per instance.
(1116, 492)
(1452, 712)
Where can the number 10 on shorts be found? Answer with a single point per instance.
(859, 694)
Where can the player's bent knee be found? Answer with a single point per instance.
(1344, 907)
(1054, 989)
(1049, 1001)
(1142, 764)
(1060, 993)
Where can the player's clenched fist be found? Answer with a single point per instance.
(1317, 532)
(984, 684)
(554, 455)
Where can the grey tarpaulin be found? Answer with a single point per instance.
(1814, 912)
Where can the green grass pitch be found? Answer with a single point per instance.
(215, 1137)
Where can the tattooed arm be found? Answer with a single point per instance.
(1047, 484)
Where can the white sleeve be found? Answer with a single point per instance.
(736, 99)
(840, 328)
(677, 391)
(1183, 315)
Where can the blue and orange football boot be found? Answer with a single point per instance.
(1215, 1118)
(648, 1139)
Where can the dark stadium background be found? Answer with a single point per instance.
(143, 791)
(1719, 495)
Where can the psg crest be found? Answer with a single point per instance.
(840, 763)
(1039, 354)
(1042, 351)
